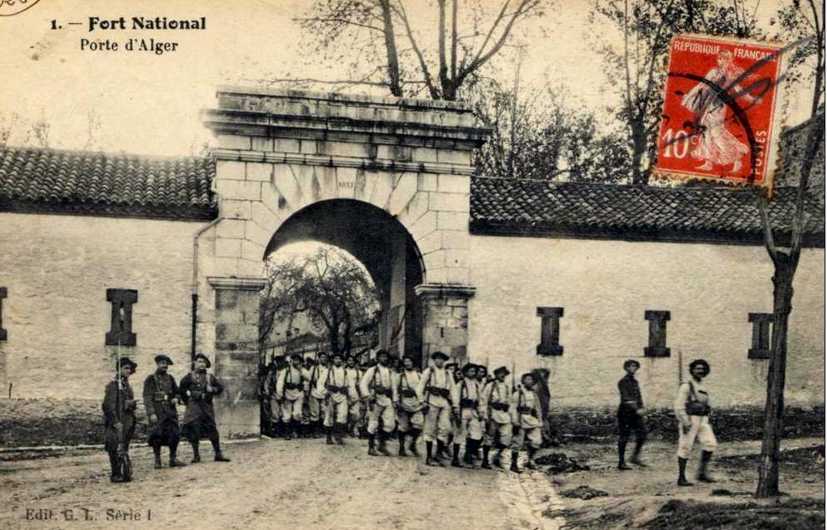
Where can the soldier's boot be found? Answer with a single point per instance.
(455, 459)
(515, 455)
(401, 436)
(341, 429)
(216, 447)
(636, 455)
(497, 461)
(329, 432)
(486, 450)
(372, 445)
(115, 474)
(196, 453)
(682, 473)
(414, 438)
(703, 475)
(441, 450)
(621, 456)
(156, 450)
(383, 449)
(468, 457)
(173, 457)
(530, 463)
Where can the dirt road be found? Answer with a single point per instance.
(271, 484)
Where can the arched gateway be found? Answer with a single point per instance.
(386, 179)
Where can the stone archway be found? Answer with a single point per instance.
(282, 153)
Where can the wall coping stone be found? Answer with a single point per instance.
(238, 284)
(445, 290)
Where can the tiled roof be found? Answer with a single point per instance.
(508, 206)
(51, 180)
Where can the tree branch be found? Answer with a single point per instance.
(422, 64)
(769, 240)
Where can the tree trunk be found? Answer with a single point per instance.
(638, 148)
(774, 409)
(394, 81)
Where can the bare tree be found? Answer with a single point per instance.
(383, 41)
(331, 288)
(796, 17)
(637, 70)
(8, 123)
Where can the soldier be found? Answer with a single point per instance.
(378, 392)
(278, 426)
(496, 404)
(354, 374)
(304, 424)
(409, 414)
(197, 390)
(466, 402)
(692, 409)
(160, 396)
(119, 419)
(630, 416)
(341, 390)
(526, 415)
(290, 390)
(317, 394)
(434, 392)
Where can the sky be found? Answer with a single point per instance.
(149, 104)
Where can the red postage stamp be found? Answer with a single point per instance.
(718, 119)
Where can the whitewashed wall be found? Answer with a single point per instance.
(605, 287)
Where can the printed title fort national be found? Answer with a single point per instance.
(139, 23)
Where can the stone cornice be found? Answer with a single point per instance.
(341, 161)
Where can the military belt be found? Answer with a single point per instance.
(468, 403)
(336, 389)
(500, 406)
(527, 410)
(437, 391)
(293, 386)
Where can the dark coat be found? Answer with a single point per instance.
(118, 404)
(160, 393)
(199, 418)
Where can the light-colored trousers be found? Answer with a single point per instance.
(469, 426)
(437, 424)
(702, 431)
(383, 412)
(335, 412)
(292, 410)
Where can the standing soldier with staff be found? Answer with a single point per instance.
(197, 390)
(290, 390)
(119, 420)
(340, 390)
(378, 391)
(354, 375)
(526, 414)
(409, 415)
(496, 405)
(630, 415)
(160, 396)
(317, 395)
(435, 394)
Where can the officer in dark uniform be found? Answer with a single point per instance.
(160, 396)
(197, 390)
(630, 415)
(119, 417)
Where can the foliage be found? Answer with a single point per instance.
(383, 41)
(800, 20)
(636, 71)
(545, 136)
(329, 286)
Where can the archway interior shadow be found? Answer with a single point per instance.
(383, 246)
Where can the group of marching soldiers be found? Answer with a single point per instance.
(452, 407)
(160, 396)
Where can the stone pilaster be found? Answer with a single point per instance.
(445, 319)
(236, 354)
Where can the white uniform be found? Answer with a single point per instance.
(466, 399)
(700, 428)
(409, 414)
(496, 405)
(435, 392)
(290, 390)
(526, 414)
(318, 392)
(355, 410)
(377, 383)
(340, 390)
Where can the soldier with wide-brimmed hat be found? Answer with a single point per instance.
(496, 404)
(381, 398)
(409, 414)
(434, 392)
(630, 415)
(160, 398)
(119, 419)
(197, 390)
(290, 388)
(340, 390)
(526, 415)
(692, 408)
(467, 405)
